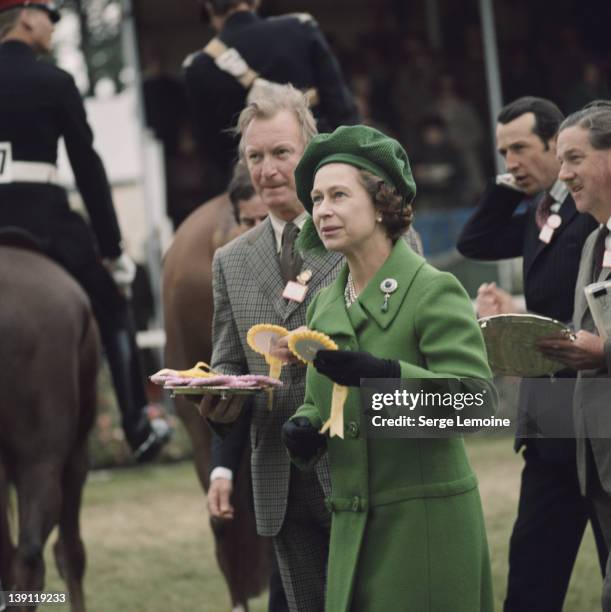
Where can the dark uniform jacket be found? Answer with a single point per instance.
(287, 49)
(497, 231)
(39, 103)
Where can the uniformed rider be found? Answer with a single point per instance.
(248, 50)
(39, 104)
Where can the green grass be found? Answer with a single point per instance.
(150, 549)
(498, 469)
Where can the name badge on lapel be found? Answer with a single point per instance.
(551, 225)
(297, 290)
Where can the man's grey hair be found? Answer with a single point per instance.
(596, 120)
(8, 20)
(267, 101)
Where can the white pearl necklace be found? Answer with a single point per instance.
(350, 294)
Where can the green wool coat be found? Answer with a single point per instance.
(407, 526)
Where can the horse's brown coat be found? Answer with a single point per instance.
(49, 356)
(244, 557)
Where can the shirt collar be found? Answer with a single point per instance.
(16, 47)
(240, 18)
(278, 226)
(559, 191)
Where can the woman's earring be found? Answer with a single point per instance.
(379, 218)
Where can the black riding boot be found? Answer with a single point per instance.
(112, 313)
(145, 437)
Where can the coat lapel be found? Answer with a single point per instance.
(264, 265)
(331, 316)
(567, 212)
(402, 265)
(337, 321)
(584, 278)
(321, 265)
(265, 269)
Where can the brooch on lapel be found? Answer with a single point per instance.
(387, 286)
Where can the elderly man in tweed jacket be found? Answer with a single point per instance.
(250, 274)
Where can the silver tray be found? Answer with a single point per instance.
(224, 392)
(510, 342)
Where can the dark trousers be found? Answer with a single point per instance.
(302, 545)
(277, 597)
(552, 516)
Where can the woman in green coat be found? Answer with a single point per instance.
(407, 526)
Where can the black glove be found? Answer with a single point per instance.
(348, 367)
(301, 439)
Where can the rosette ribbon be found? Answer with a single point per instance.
(304, 344)
(260, 339)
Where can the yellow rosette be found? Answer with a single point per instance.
(200, 370)
(304, 345)
(260, 339)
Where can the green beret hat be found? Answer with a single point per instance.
(357, 145)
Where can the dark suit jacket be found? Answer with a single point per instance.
(227, 450)
(287, 49)
(497, 231)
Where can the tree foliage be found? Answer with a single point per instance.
(100, 40)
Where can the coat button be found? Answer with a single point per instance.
(329, 504)
(356, 504)
(353, 429)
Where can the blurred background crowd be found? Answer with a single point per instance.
(417, 70)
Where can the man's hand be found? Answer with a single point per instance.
(123, 271)
(280, 348)
(219, 499)
(491, 300)
(585, 352)
(507, 180)
(221, 410)
(301, 438)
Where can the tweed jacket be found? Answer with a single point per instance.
(406, 513)
(591, 402)
(248, 287)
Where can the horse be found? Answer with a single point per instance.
(49, 358)
(243, 557)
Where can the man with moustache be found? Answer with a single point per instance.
(584, 149)
(250, 274)
(529, 213)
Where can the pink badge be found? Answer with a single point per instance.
(546, 234)
(554, 221)
(295, 292)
